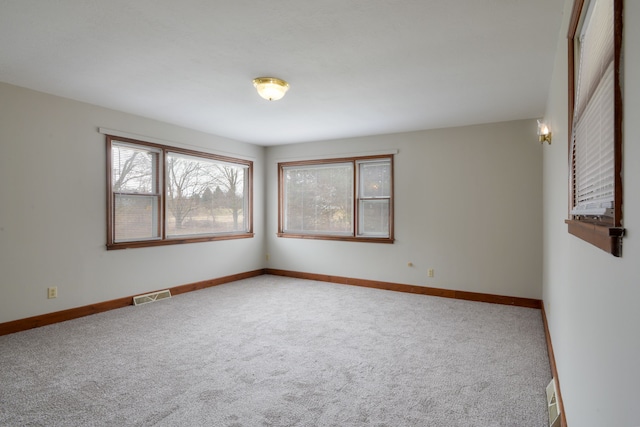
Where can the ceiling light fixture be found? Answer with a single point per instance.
(271, 88)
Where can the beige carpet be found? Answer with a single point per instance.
(273, 351)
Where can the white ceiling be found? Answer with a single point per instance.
(356, 67)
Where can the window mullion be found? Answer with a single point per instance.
(355, 224)
(162, 187)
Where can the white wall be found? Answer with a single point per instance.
(591, 298)
(53, 211)
(467, 203)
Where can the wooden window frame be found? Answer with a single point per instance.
(160, 178)
(604, 233)
(354, 237)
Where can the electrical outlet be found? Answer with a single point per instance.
(430, 272)
(52, 292)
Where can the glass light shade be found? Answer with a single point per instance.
(544, 134)
(543, 129)
(271, 88)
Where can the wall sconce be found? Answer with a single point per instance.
(544, 134)
(271, 88)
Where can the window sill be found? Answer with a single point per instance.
(176, 241)
(340, 238)
(605, 237)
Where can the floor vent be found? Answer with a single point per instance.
(153, 296)
(552, 402)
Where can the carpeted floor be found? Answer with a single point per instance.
(274, 351)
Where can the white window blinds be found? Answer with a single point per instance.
(593, 122)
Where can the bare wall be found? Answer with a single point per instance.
(468, 203)
(53, 209)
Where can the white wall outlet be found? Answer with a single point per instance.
(52, 292)
(430, 272)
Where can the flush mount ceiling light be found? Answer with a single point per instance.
(270, 88)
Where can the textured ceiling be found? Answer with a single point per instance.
(356, 67)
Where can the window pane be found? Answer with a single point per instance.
(133, 169)
(374, 218)
(375, 179)
(594, 153)
(319, 199)
(593, 144)
(136, 217)
(596, 50)
(205, 196)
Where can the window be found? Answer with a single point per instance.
(595, 112)
(159, 195)
(340, 199)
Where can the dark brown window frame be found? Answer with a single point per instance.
(164, 240)
(354, 237)
(604, 233)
